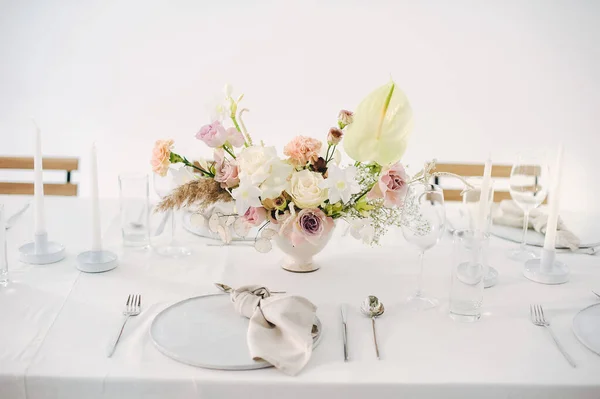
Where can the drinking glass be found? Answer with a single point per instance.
(466, 290)
(133, 196)
(163, 224)
(528, 186)
(3, 252)
(423, 222)
(470, 210)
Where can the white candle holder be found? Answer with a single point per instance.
(96, 261)
(546, 269)
(41, 251)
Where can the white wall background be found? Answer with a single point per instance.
(482, 76)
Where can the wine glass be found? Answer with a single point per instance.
(528, 186)
(164, 243)
(423, 222)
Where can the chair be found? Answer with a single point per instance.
(472, 170)
(68, 165)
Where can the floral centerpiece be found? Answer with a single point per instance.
(296, 198)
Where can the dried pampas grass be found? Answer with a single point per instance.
(201, 193)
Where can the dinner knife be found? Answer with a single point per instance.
(344, 330)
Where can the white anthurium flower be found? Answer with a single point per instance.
(278, 179)
(255, 163)
(362, 229)
(246, 195)
(341, 183)
(382, 124)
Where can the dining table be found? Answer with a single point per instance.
(56, 322)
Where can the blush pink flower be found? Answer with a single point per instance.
(302, 150)
(310, 225)
(161, 155)
(214, 134)
(226, 171)
(235, 137)
(254, 216)
(391, 186)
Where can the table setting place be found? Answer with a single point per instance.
(337, 270)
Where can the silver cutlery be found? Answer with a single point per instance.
(538, 318)
(133, 307)
(373, 308)
(10, 222)
(228, 290)
(595, 293)
(344, 330)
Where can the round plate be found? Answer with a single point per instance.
(586, 326)
(206, 331)
(201, 230)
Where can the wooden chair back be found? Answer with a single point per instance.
(472, 170)
(68, 165)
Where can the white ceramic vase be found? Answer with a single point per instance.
(299, 259)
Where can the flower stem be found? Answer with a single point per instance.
(229, 151)
(191, 165)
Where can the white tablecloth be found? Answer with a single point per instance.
(55, 323)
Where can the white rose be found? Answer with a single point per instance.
(305, 189)
(255, 162)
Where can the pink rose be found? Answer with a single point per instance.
(235, 137)
(226, 171)
(161, 155)
(214, 135)
(310, 225)
(391, 186)
(254, 216)
(302, 150)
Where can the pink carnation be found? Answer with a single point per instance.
(391, 186)
(302, 150)
(214, 135)
(161, 154)
(255, 216)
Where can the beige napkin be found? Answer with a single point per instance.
(280, 326)
(508, 213)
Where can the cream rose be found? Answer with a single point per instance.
(305, 189)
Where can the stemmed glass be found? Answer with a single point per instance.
(528, 186)
(423, 223)
(163, 186)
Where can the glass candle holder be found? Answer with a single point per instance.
(3, 252)
(133, 196)
(466, 291)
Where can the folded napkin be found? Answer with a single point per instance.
(280, 326)
(508, 213)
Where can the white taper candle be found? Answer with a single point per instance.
(550, 240)
(38, 183)
(96, 229)
(484, 195)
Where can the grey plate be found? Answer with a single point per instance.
(586, 326)
(205, 331)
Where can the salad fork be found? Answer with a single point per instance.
(133, 307)
(538, 318)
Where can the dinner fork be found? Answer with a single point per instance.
(133, 307)
(537, 318)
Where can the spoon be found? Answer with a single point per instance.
(372, 307)
(595, 293)
(228, 290)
